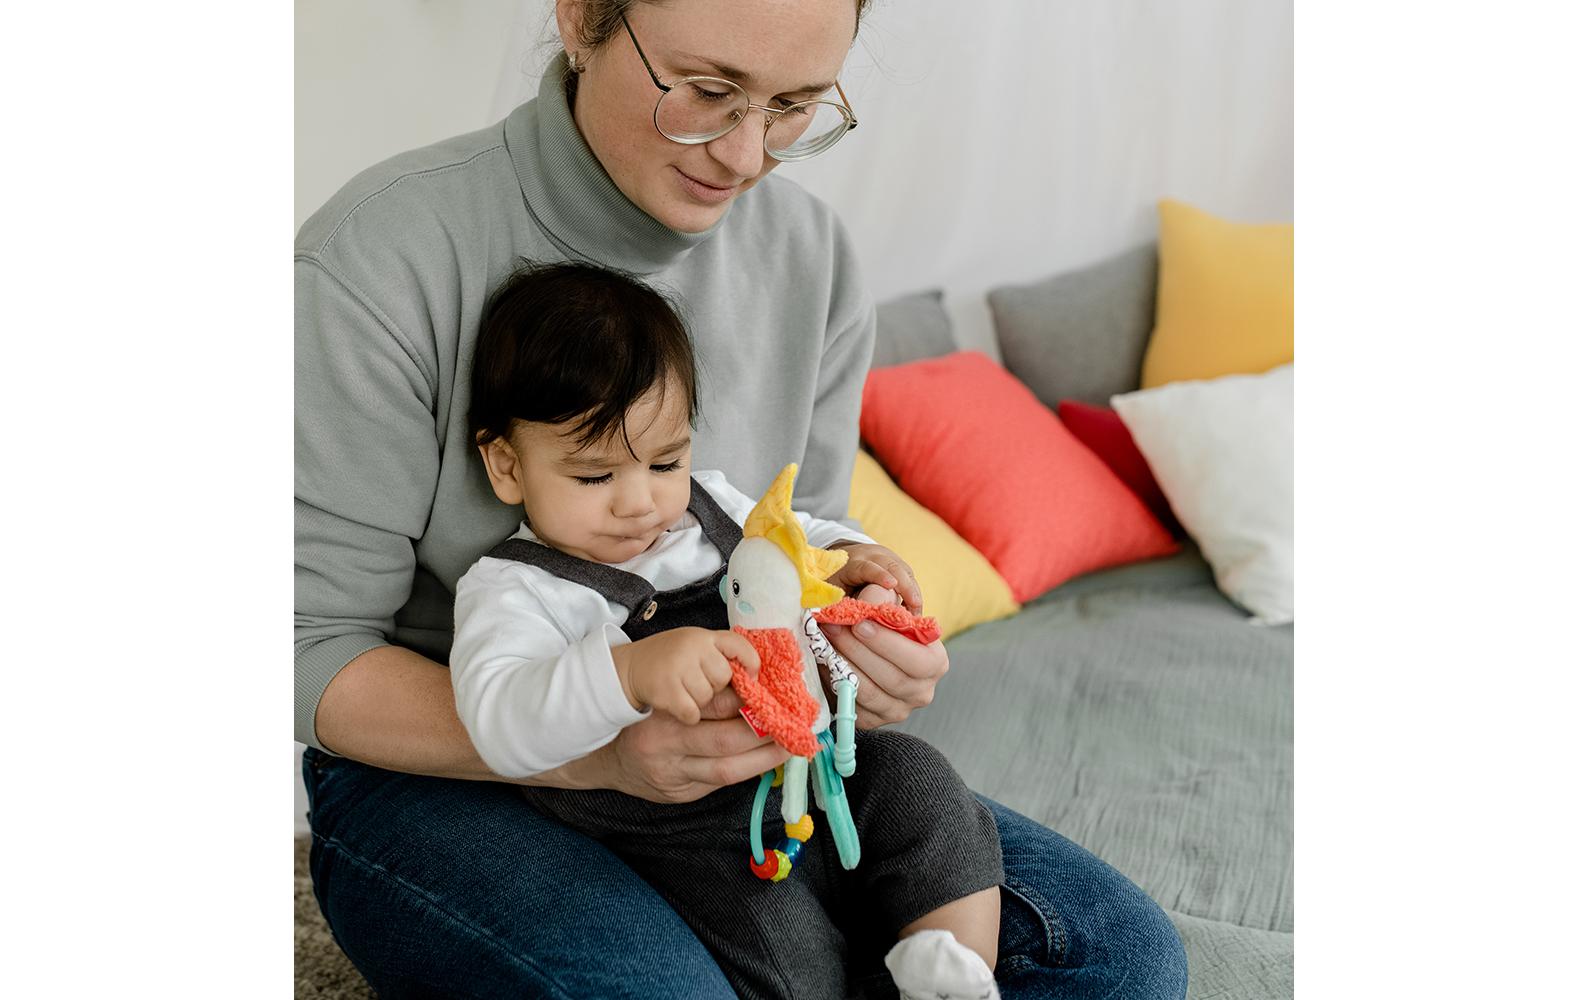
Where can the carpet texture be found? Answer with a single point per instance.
(319, 969)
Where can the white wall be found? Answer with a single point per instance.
(376, 77)
(999, 141)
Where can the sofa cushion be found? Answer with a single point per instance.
(1225, 294)
(971, 444)
(1222, 450)
(912, 327)
(1136, 712)
(1080, 334)
(1104, 431)
(959, 586)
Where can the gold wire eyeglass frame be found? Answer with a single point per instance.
(772, 114)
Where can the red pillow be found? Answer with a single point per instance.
(971, 443)
(1103, 431)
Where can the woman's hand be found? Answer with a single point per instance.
(897, 674)
(868, 564)
(664, 760)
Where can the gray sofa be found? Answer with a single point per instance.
(1134, 710)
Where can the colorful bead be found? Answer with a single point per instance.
(792, 848)
(784, 866)
(767, 868)
(802, 830)
(777, 776)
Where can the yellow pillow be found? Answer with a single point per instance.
(1225, 293)
(959, 586)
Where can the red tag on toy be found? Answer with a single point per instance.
(749, 717)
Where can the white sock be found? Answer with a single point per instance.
(932, 965)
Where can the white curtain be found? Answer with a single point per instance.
(1003, 141)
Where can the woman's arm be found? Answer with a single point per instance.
(393, 708)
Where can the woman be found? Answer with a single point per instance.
(435, 885)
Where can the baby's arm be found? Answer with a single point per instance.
(530, 699)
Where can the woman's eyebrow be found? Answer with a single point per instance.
(745, 79)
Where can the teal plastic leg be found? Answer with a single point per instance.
(844, 728)
(839, 819)
(757, 810)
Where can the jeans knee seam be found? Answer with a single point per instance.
(1058, 942)
(444, 911)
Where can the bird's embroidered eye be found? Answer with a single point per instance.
(736, 588)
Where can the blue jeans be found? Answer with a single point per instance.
(437, 887)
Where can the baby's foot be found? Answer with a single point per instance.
(932, 965)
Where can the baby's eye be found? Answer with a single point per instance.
(594, 480)
(672, 466)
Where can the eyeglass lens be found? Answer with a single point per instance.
(701, 109)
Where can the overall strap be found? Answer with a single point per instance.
(619, 586)
(721, 530)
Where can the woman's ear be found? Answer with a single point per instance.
(570, 24)
(502, 466)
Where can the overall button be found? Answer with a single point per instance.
(645, 615)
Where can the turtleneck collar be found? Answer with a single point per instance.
(570, 195)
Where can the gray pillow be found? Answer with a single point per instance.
(1081, 334)
(912, 327)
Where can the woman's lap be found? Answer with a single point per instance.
(456, 888)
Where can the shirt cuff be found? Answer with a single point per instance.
(314, 664)
(607, 690)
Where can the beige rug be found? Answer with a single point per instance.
(319, 967)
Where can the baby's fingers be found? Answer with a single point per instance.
(686, 703)
(736, 647)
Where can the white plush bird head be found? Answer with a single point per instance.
(774, 573)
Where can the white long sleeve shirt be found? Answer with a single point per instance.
(531, 660)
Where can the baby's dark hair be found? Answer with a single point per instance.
(560, 342)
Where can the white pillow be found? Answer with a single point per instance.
(1223, 451)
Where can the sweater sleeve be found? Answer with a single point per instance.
(823, 485)
(530, 699)
(366, 460)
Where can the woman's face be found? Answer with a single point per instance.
(772, 48)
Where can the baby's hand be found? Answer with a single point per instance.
(875, 564)
(678, 671)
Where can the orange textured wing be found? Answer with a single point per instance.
(894, 616)
(777, 696)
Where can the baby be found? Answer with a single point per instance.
(604, 607)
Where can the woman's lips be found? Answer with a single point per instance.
(703, 192)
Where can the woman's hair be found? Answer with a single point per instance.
(564, 342)
(604, 18)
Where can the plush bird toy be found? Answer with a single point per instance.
(774, 578)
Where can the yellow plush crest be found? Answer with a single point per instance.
(773, 519)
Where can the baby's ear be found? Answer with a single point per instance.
(501, 465)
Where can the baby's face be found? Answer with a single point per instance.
(601, 502)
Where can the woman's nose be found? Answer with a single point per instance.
(743, 150)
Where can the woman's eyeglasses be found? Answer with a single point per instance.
(699, 109)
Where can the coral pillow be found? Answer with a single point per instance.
(1225, 293)
(1103, 431)
(959, 586)
(972, 444)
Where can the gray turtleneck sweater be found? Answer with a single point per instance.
(392, 274)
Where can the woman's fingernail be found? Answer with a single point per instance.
(865, 630)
